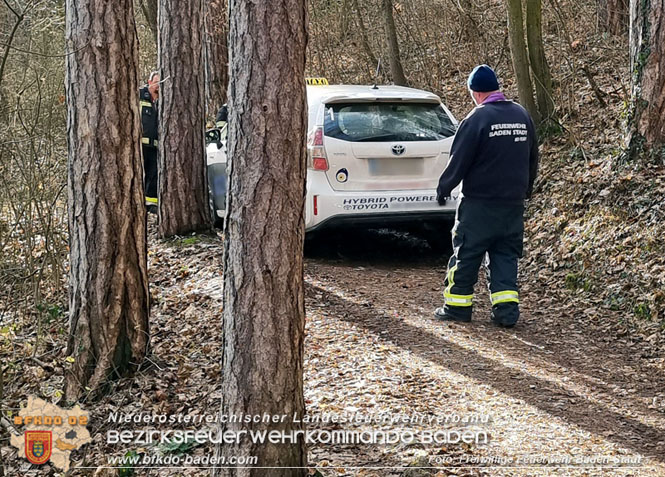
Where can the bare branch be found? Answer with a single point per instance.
(10, 8)
(19, 19)
(21, 50)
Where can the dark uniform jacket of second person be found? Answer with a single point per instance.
(149, 119)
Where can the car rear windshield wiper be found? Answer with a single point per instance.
(379, 138)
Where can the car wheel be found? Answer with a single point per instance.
(438, 237)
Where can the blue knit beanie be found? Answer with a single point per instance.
(482, 79)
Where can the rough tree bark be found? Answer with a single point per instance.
(264, 313)
(520, 58)
(183, 190)
(393, 46)
(539, 66)
(108, 302)
(647, 64)
(216, 55)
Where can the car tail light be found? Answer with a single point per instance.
(316, 152)
(319, 163)
(316, 205)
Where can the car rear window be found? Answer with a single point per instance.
(397, 121)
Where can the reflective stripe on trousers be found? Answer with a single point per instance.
(506, 296)
(451, 298)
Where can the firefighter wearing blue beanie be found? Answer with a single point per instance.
(495, 156)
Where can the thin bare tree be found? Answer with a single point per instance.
(539, 67)
(396, 69)
(520, 58)
(613, 16)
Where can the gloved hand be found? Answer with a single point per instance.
(441, 200)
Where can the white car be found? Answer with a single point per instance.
(374, 158)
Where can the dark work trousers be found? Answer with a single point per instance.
(150, 171)
(493, 233)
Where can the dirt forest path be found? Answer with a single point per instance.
(557, 388)
(556, 385)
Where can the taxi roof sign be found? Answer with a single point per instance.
(316, 81)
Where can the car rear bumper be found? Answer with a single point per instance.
(384, 220)
(370, 209)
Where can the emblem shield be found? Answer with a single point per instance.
(38, 446)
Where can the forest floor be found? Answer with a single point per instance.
(558, 386)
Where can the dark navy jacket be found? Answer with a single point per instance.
(149, 119)
(494, 153)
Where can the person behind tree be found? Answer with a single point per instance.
(148, 99)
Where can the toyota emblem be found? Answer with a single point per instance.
(398, 149)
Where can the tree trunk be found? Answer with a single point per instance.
(519, 56)
(470, 30)
(108, 303)
(393, 46)
(617, 16)
(647, 64)
(264, 314)
(613, 16)
(149, 9)
(344, 20)
(217, 55)
(183, 189)
(601, 13)
(539, 67)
